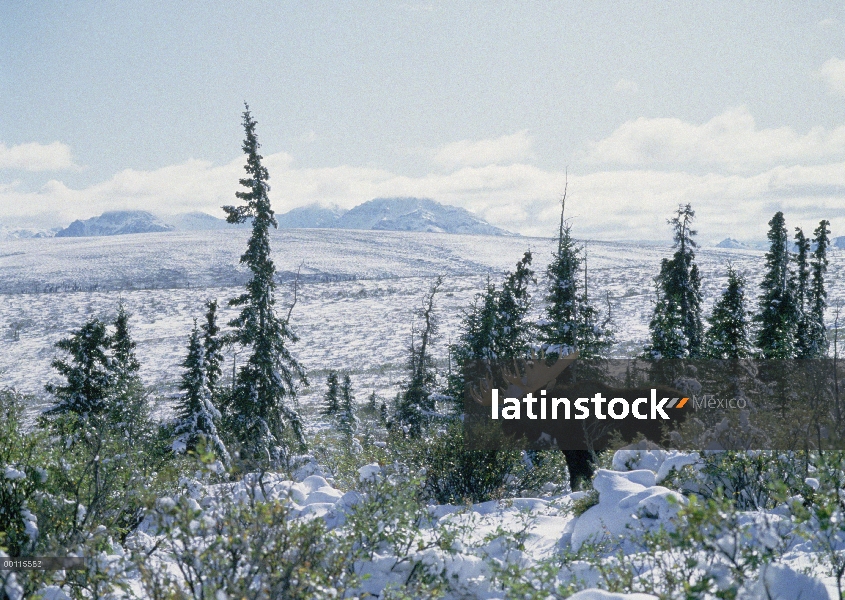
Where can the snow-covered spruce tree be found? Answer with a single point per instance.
(778, 311)
(817, 294)
(259, 406)
(494, 327)
(196, 414)
(729, 334)
(515, 332)
(124, 364)
(212, 344)
(128, 407)
(347, 422)
(571, 321)
(676, 328)
(89, 372)
(414, 403)
(331, 402)
(667, 333)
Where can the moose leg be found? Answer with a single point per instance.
(580, 467)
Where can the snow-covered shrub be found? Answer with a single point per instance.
(712, 547)
(21, 477)
(78, 488)
(708, 550)
(749, 479)
(239, 547)
(821, 512)
(393, 538)
(587, 500)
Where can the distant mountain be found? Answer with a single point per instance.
(117, 222)
(310, 217)
(22, 233)
(195, 221)
(199, 221)
(839, 242)
(382, 214)
(732, 243)
(415, 214)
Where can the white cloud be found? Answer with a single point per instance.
(502, 150)
(608, 203)
(730, 141)
(37, 157)
(833, 73)
(626, 86)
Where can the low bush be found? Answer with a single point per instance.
(455, 473)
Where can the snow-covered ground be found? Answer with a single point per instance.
(357, 293)
(497, 545)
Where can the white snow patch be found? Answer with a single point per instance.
(625, 500)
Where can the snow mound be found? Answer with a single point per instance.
(369, 472)
(305, 466)
(52, 592)
(780, 582)
(661, 462)
(626, 500)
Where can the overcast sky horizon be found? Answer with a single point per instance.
(736, 108)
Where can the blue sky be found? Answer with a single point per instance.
(738, 108)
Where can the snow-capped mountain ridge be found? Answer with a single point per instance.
(380, 214)
(116, 222)
(416, 214)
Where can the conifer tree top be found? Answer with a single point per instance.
(257, 203)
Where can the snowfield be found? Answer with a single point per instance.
(355, 302)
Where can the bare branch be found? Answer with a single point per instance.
(563, 201)
(295, 286)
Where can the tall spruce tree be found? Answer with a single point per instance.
(265, 384)
(124, 364)
(89, 373)
(817, 299)
(800, 284)
(729, 334)
(676, 327)
(128, 406)
(196, 414)
(571, 321)
(778, 313)
(331, 403)
(212, 345)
